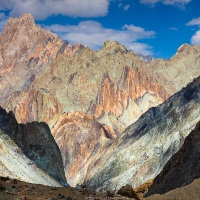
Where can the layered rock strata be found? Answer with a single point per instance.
(182, 169)
(144, 148)
(113, 84)
(79, 137)
(25, 51)
(36, 142)
(14, 164)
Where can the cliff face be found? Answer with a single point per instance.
(37, 144)
(111, 85)
(79, 137)
(25, 51)
(14, 164)
(144, 148)
(50, 77)
(182, 169)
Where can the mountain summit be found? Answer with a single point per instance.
(25, 51)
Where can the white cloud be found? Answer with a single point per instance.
(196, 38)
(41, 9)
(126, 7)
(173, 29)
(6, 4)
(179, 3)
(194, 22)
(93, 34)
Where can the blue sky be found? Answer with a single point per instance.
(156, 27)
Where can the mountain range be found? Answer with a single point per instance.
(101, 119)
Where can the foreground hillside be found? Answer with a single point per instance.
(29, 152)
(188, 192)
(12, 189)
(182, 169)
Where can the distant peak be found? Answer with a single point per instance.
(27, 16)
(113, 47)
(24, 19)
(182, 47)
(109, 43)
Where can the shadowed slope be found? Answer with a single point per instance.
(182, 169)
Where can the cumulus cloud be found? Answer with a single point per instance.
(194, 22)
(41, 9)
(93, 34)
(179, 3)
(196, 38)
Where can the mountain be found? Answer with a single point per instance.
(182, 169)
(26, 147)
(96, 95)
(143, 149)
(14, 164)
(25, 51)
(79, 137)
(147, 58)
(112, 84)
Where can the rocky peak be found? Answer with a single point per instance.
(112, 47)
(182, 47)
(26, 50)
(24, 19)
(147, 58)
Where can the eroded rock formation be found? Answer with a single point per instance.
(182, 169)
(25, 51)
(144, 148)
(79, 137)
(36, 142)
(14, 164)
(44, 77)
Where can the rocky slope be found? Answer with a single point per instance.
(182, 169)
(112, 85)
(25, 51)
(188, 192)
(14, 164)
(144, 148)
(36, 142)
(79, 137)
(17, 190)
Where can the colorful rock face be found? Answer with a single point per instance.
(182, 169)
(25, 51)
(43, 78)
(29, 152)
(143, 149)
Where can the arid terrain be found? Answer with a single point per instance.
(95, 121)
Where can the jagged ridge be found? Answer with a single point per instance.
(36, 142)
